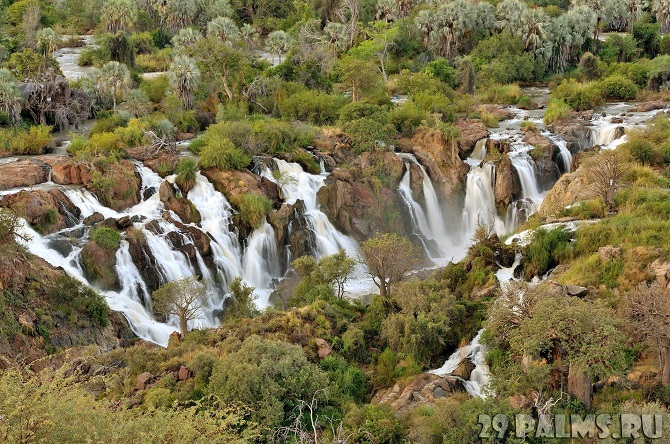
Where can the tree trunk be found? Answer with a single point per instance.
(182, 326)
(382, 287)
(229, 93)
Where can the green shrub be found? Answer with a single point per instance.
(143, 42)
(107, 238)
(618, 87)
(68, 293)
(556, 110)
(545, 251)
(221, 153)
(367, 134)
(108, 124)
(158, 61)
(407, 117)
(186, 174)
(641, 150)
(25, 142)
(502, 94)
(131, 135)
(253, 208)
(312, 106)
(526, 102)
(358, 110)
(579, 96)
(155, 88)
(101, 143)
(442, 70)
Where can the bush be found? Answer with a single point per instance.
(641, 150)
(367, 134)
(131, 135)
(107, 238)
(25, 142)
(155, 88)
(101, 143)
(502, 94)
(545, 251)
(108, 124)
(442, 70)
(312, 106)
(358, 110)
(221, 153)
(591, 66)
(158, 61)
(69, 293)
(556, 110)
(618, 87)
(526, 102)
(186, 171)
(253, 208)
(143, 43)
(407, 117)
(579, 96)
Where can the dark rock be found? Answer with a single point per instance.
(464, 369)
(574, 290)
(94, 219)
(124, 223)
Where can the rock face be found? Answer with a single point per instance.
(46, 211)
(569, 189)
(98, 264)
(649, 106)
(322, 348)
(662, 272)
(143, 258)
(464, 369)
(471, 132)
(421, 389)
(580, 386)
(507, 185)
(234, 183)
(64, 172)
(22, 173)
(181, 206)
(446, 171)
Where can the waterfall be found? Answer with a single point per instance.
(478, 154)
(261, 258)
(565, 154)
(480, 206)
(296, 184)
(475, 352)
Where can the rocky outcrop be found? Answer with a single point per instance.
(181, 206)
(464, 369)
(507, 186)
(661, 270)
(446, 171)
(143, 258)
(160, 162)
(65, 172)
(235, 183)
(335, 144)
(99, 265)
(22, 173)
(418, 390)
(323, 350)
(471, 131)
(652, 105)
(569, 189)
(46, 211)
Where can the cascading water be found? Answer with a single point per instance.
(296, 184)
(480, 206)
(261, 258)
(474, 352)
(564, 152)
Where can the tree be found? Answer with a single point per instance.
(185, 38)
(249, 35)
(10, 97)
(604, 172)
(333, 270)
(336, 36)
(223, 29)
(184, 77)
(348, 13)
(219, 61)
(535, 22)
(46, 40)
(114, 78)
(182, 298)
(361, 76)
(382, 37)
(118, 15)
(389, 258)
(662, 10)
(137, 102)
(511, 15)
(604, 10)
(279, 43)
(241, 303)
(648, 308)
(178, 14)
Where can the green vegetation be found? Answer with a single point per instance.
(253, 208)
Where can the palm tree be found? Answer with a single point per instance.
(184, 76)
(219, 8)
(662, 10)
(46, 40)
(445, 27)
(114, 78)
(279, 43)
(118, 15)
(336, 36)
(10, 97)
(249, 34)
(224, 29)
(511, 16)
(179, 13)
(535, 21)
(185, 38)
(604, 12)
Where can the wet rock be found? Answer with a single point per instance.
(322, 348)
(181, 206)
(124, 223)
(94, 219)
(464, 369)
(99, 265)
(649, 106)
(544, 144)
(507, 185)
(417, 390)
(65, 172)
(22, 173)
(416, 182)
(233, 184)
(471, 131)
(143, 258)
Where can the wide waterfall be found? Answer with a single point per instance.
(480, 206)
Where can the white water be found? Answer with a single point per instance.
(480, 206)
(565, 154)
(475, 352)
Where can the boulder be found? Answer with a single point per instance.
(124, 222)
(652, 105)
(184, 373)
(322, 348)
(99, 265)
(94, 219)
(22, 173)
(464, 369)
(507, 185)
(65, 172)
(26, 323)
(541, 142)
(144, 380)
(608, 252)
(418, 390)
(520, 402)
(577, 291)
(471, 131)
(234, 183)
(569, 189)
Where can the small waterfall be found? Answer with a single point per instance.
(565, 154)
(475, 352)
(261, 258)
(296, 184)
(478, 154)
(607, 135)
(480, 206)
